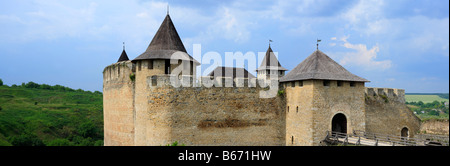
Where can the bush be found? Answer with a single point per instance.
(31, 84)
(132, 77)
(59, 142)
(26, 140)
(87, 129)
(98, 143)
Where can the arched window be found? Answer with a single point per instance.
(154, 80)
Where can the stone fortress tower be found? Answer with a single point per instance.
(142, 107)
(270, 67)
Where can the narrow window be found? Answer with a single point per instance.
(167, 66)
(339, 83)
(292, 84)
(288, 108)
(139, 65)
(150, 64)
(154, 81)
(118, 68)
(352, 84)
(292, 140)
(192, 67)
(326, 83)
(300, 83)
(297, 109)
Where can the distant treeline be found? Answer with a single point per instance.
(433, 110)
(442, 95)
(61, 88)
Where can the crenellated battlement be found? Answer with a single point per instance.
(118, 71)
(164, 80)
(396, 94)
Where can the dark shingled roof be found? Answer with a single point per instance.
(319, 66)
(123, 56)
(231, 72)
(165, 43)
(270, 62)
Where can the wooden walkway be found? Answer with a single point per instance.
(367, 139)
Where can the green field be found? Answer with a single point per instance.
(43, 115)
(424, 98)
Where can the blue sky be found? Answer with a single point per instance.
(393, 43)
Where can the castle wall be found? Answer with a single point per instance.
(435, 126)
(333, 99)
(144, 129)
(299, 116)
(149, 111)
(208, 116)
(387, 113)
(118, 104)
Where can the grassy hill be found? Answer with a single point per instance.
(44, 115)
(428, 106)
(426, 98)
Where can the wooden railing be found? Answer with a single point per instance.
(373, 139)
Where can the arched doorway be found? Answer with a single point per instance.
(339, 123)
(405, 132)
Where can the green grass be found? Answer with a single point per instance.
(424, 98)
(52, 117)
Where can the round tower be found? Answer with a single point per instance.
(164, 61)
(118, 102)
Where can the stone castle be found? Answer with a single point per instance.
(142, 107)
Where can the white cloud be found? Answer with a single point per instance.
(363, 57)
(363, 11)
(230, 26)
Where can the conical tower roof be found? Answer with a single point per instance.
(270, 62)
(321, 67)
(123, 56)
(165, 43)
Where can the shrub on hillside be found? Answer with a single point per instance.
(60, 142)
(26, 139)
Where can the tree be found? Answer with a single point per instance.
(59, 142)
(31, 84)
(420, 103)
(87, 129)
(26, 139)
(1, 82)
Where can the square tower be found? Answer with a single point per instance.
(322, 96)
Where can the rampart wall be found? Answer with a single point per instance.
(387, 113)
(141, 107)
(208, 115)
(118, 104)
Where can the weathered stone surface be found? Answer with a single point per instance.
(141, 107)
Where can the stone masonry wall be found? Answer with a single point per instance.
(299, 113)
(209, 116)
(387, 113)
(118, 104)
(333, 99)
(149, 111)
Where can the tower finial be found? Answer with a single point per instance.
(167, 9)
(123, 45)
(318, 40)
(270, 42)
